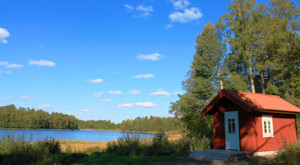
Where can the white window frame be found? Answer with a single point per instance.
(269, 121)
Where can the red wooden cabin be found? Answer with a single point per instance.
(251, 122)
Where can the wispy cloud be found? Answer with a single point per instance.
(125, 105)
(168, 26)
(180, 4)
(41, 62)
(128, 7)
(186, 15)
(106, 100)
(3, 35)
(14, 66)
(182, 13)
(139, 11)
(24, 97)
(151, 57)
(85, 110)
(8, 65)
(3, 99)
(96, 81)
(160, 93)
(3, 63)
(115, 92)
(44, 106)
(5, 72)
(145, 104)
(134, 92)
(144, 76)
(99, 94)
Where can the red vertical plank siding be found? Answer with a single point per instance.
(251, 131)
(248, 132)
(218, 131)
(284, 131)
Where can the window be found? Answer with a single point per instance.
(231, 125)
(267, 126)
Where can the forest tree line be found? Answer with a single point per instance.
(29, 118)
(255, 47)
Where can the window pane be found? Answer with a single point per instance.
(265, 126)
(269, 126)
(229, 127)
(233, 127)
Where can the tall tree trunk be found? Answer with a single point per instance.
(262, 76)
(251, 76)
(220, 79)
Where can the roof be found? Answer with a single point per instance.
(254, 102)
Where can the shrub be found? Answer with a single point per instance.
(199, 144)
(126, 145)
(160, 145)
(291, 154)
(19, 151)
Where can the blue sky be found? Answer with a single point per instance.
(111, 60)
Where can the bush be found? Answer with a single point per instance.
(126, 145)
(19, 151)
(200, 144)
(160, 145)
(291, 154)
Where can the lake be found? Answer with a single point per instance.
(87, 135)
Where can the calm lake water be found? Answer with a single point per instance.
(87, 135)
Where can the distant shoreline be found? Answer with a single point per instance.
(145, 132)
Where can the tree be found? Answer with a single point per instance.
(205, 79)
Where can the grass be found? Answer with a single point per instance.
(126, 150)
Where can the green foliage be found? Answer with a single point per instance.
(133, 145)
(126, 145)
(16, 150)
(263, 56)
(11, 117)
(205, 79)
(200, 144)
(290, 155)
(150, 124)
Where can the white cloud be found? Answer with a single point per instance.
(99, 94)
(3, 63)
(7, 72)
(3, 99)
(187, 15)
(85, 110)
(125, 105)
(128, 7)
(180, 4)
(3, 35)
(96, 81)
(24, 97)
(145, 104)
(146, 10)
(115, 92)
(160, 93)
(134, 92)
(152, 57)
(168, 26)
(141, 10)
(106, 100)
(144, 76)
(41, 63)
(14, 66)
(44, 106)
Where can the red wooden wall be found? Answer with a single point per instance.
(251, 133)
